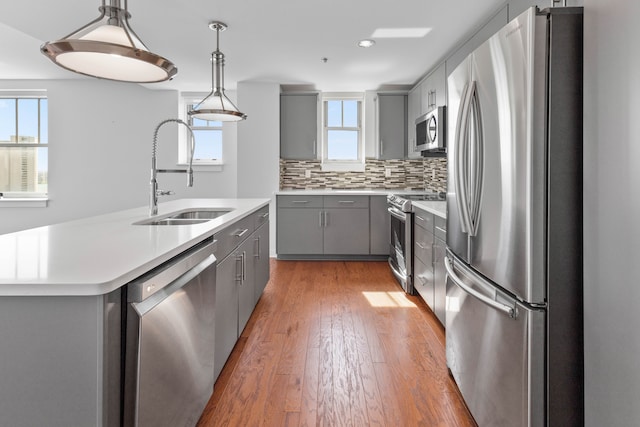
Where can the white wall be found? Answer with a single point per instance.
(259, 144)
(612, 210)
(100, 137)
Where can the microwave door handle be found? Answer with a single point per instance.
(509, 311)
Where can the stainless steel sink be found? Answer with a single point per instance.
(186, 217)
(173, 221)
(201, 214)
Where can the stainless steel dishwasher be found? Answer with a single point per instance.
(169, 350)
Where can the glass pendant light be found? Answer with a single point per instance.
(216, 106)
(108, 48)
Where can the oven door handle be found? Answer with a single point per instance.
(402, 216)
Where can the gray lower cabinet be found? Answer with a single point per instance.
(429, 249)
(380, 226)
(241, 275)
(346, 231)
(315, 226)
(261, 260)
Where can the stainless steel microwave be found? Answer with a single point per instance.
(430, 131)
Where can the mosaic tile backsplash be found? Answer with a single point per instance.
(416, 174)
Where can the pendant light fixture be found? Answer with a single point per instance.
(108, 48)
(216, 106)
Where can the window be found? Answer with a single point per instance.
(208, 136)
(23, 146)
(342, 129)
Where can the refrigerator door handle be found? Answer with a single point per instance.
(461, 158)
(509, 311)
(477, 161)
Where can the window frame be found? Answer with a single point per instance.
(342, 163)
(183, 149)
(27, 198)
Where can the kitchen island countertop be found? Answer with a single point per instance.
(96, 255)
(435, 207)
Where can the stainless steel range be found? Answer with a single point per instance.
(401, 246)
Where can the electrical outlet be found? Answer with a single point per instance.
(387, 172)
(307, 173)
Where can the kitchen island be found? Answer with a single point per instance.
(62, 303)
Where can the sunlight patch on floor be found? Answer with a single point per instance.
(388, 299)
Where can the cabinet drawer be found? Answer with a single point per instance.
(301, 201)
(346, 201)
(260, 217)
(423, 219)
(229, 238)
(440, 227)
(423, 245)
(423, 281)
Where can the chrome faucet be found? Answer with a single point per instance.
(155, 192)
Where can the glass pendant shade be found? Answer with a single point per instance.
(217, 106)
(108, 48)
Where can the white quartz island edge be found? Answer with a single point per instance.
(96, 255)
(435, 207)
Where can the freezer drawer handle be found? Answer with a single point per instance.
(510, 311)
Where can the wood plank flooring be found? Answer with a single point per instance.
(337, 344)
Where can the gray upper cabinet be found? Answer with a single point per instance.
(392, 126)
(413, 111)
(433, 89)
(499, 20)
(299, 126)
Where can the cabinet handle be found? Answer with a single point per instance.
(326, 219)
(240, 233)
(264, 215)
(420, 246)
(320, 219)
(239, 270)
(315, 148)
(346, 201)
(300, 201)
(381, 147)
(441, 229)
(256, 253)
(244, 266)
(420, 218)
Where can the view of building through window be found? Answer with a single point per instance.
(23, 146)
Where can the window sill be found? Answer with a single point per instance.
(24, 202)
(343, 167)
(204, 167)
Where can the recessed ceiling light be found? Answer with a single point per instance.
(366, 43)
(397, 33)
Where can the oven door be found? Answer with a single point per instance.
(400, 257)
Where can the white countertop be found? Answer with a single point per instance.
(96, 255)
(436, 208)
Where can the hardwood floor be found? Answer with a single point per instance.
(337, 344)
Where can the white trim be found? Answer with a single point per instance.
(26, 202)
(204, 167)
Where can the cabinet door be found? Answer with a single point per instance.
(413, 111)
(246, 279)
(439, 279)
(346, 231)
(392, 126)
(226, 327)
(439, 82)
(423, 281)
(298, 126)
(299, 231)
(380, 226)
(261, 259)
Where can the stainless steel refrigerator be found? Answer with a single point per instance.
(514, 325)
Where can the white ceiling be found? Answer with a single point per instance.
(279, 41)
